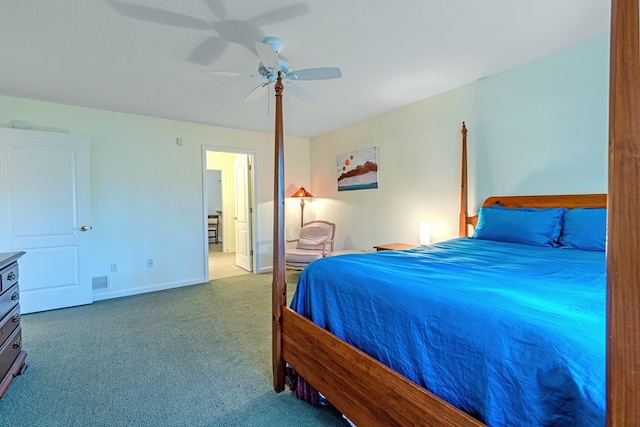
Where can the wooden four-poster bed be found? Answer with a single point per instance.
(370, 393)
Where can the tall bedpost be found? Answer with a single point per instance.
(623, 246)
(464, 228)
(279, 284)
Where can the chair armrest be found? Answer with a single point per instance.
(324, 242)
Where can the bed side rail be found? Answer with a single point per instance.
(356, 384)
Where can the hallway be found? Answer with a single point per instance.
(222, 264)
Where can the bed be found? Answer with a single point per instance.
(371, 393)
(511, 332)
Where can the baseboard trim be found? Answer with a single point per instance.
(100, 296)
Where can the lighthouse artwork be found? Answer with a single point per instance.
(358, 170)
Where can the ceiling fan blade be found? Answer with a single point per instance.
(300, 93)
(267, 56)
(225, 73)
(323, 73)
(221, 73)
(159, 16)
(256, 93)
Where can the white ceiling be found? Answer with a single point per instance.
(147, 56)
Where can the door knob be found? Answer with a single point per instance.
(84, 228)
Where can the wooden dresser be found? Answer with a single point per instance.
(12, 357)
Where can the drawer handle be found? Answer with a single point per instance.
(18, 343)
(16, 318)
(15, 296)
(11, 276)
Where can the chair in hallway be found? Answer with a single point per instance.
(315, 241)
(213, 227)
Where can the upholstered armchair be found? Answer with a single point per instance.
(315, 241)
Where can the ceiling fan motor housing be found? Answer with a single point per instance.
(275, 43)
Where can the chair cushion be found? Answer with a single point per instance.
(312, 244)
(302, 256)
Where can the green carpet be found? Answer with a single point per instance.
(193, 356)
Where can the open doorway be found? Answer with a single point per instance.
(228, 211)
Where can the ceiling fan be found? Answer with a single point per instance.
(269, 67)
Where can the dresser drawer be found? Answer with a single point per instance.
(10, 350)
(9, 299)
(8, 276)
(9, 323)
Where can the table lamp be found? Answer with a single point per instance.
(425, 233)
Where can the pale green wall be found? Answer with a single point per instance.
(540, 128)
(147, 192)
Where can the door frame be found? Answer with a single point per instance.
(252, 197)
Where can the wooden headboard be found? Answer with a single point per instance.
(569, 201)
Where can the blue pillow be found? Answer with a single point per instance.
(531, 226)
(585, 228)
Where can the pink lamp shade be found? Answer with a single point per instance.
(302, 192)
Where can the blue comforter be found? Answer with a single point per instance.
(511, 334)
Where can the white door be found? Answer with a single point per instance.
(44, 211)
(243, 214)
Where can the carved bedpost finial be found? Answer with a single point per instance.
(464, 129)
(279, 87)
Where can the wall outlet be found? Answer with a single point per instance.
(149, 263)
(114, 267)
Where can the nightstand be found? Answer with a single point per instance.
(394, 246)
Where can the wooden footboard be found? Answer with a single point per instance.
(365, 390)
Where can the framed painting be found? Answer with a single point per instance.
(358, 170)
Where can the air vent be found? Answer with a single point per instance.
(100, 282)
